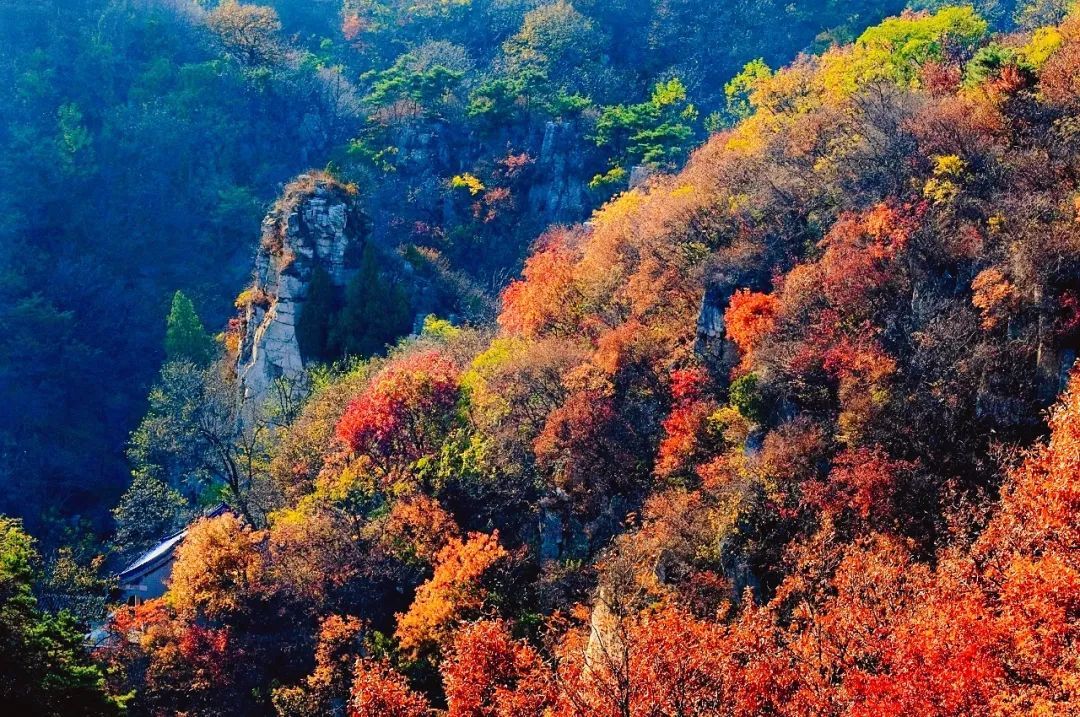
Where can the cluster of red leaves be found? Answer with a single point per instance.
(686, 424)
(863, 480)
(859, 253)
(490, 674)
(380, 691)
(403, 408)
(575, 444)
(183, 664)
(514, 164)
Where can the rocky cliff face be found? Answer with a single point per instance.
(559, 193)
(316, 223)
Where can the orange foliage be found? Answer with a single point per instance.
(541, 300)
(351, 26)
(454, 592)
(749, 317)
(665, 663)
(219, 568)
(994, 296)
(418, 528)
(1030, 550)
(379, 691)
(489, 674)
(628, 347)
(578, 446)
(183, 664)
(335, 653)
(863, 371)
(966, 125)
(939, 663)
(312, 552)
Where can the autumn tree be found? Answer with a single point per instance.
(165, 664)
(250, 32)
(584, 447)
(686, 432)
(405, 411)
(218, 570)
(665, 663)
(458, 590)
(748, 318)
(490, 674)
(380, 691)
(542, 299)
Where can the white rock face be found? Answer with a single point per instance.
(316, 223)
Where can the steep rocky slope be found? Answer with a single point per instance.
(316, 224)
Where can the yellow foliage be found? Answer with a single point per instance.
(474, 381)
(619, 209)
(218, 568)
(941, 188)
(777, 99)
(730, 424)
(948, 165)
(940, 191)
(894, 50)
(683, 190)
(467, 181)
(1043, 43)
(251, 296)
(355, 478)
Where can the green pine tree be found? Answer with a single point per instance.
(376, 312)
(44, 668)
(185, 337)
(314, 322)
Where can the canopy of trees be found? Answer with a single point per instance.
(143, 140)
(768, 436)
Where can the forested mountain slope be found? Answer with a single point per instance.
(765, 436)
(142, 140)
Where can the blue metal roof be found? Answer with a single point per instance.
(162, 552)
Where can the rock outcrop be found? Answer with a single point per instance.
(316, 223)
(559, 193)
